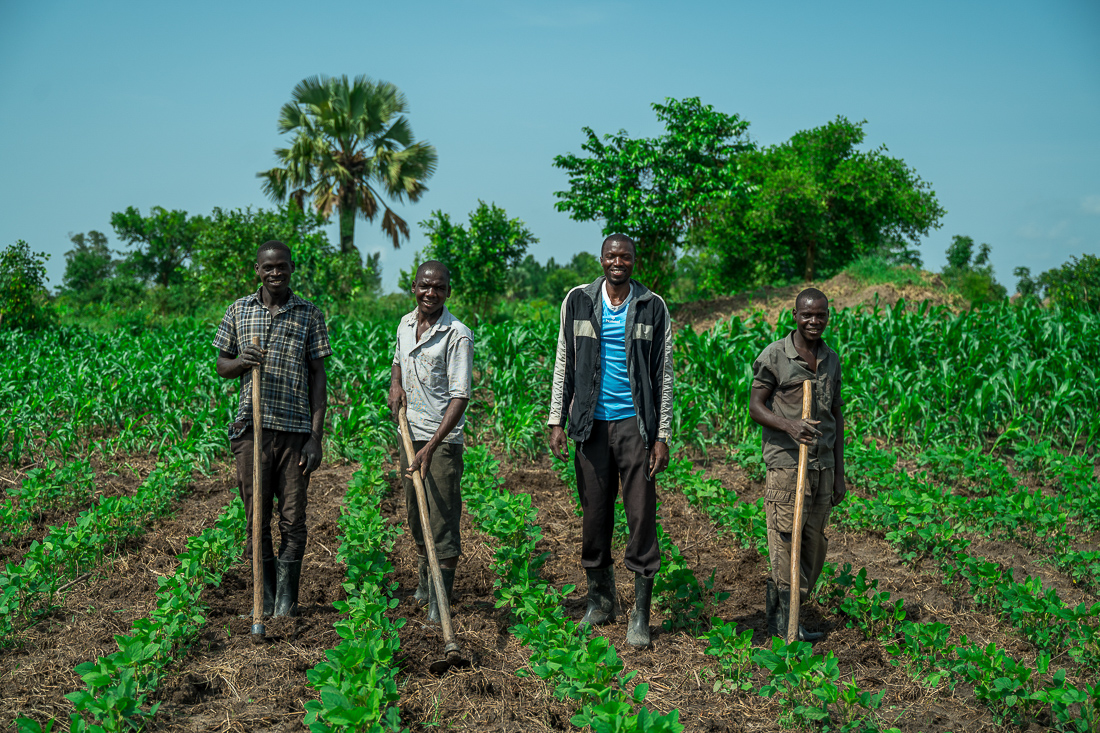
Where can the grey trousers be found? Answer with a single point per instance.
(443, 490)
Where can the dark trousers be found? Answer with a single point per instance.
(284, 479)
(615, 453)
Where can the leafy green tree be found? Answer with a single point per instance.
(1076, 284)
(24, 300)
(352, 144)
(164, 241)
(654, 189)
(816, 204)
(89, 267)
(1025, 284)
(222, 264)
(479, 257)
(970, 272)
(529, 280)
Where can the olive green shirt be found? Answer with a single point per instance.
(780, 369)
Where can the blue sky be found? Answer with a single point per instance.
(114, 104)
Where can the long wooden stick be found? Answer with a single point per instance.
(257, 499)
(441, 599)
(796, 533)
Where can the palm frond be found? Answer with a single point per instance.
(395, 226)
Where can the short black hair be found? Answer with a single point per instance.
(810, 295)
(274, 245)
(619, 238)
(433, 266)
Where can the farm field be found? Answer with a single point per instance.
(962, 590)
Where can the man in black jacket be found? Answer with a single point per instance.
(613, 375)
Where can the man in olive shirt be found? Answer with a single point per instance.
(776, 404)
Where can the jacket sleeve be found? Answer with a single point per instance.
(662, 376)
(561, 393)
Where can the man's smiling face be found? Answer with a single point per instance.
(811, 317)
(431, 291)
(274, 268)
(617, 260)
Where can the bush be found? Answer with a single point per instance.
(1075, 284)
(970, 274)
(875, 270)
(24, 300)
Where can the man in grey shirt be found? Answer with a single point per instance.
(430, 376)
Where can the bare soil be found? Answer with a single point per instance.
(226, 683)
(843, 292)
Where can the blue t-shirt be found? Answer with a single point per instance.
(615, 401)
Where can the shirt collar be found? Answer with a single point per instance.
(446, 320)
(792, 353)
(291, 302)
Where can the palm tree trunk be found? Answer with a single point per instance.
(347, 229)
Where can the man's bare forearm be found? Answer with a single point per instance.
(455, 409)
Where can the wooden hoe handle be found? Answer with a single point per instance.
(796, 529)
(257, 495)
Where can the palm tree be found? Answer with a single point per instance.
(352, 143)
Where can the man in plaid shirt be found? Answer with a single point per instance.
(293, 393)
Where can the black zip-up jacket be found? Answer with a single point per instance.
(577, 367)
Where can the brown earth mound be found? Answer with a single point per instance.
(843, 290)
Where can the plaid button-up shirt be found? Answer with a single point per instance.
(291, 338)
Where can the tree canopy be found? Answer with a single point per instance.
(970, 272)
(352, 144)
(163, 242)
(225, 255)
(89, 265)
(654, 189)
(479, 257)
(816, 203)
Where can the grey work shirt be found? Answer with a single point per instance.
(780, 369)
(434, 370)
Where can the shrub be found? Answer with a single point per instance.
(24, 300)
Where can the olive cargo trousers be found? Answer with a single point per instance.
(782, 484)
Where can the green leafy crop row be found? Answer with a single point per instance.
(357, 683)
(118, 684)
(69, 550)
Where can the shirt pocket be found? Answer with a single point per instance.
(431, 369)
(825, 403)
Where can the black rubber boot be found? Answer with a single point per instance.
(785, 613)
(448, 585)
(270, 583)
(269, 587)
(603, 606)
(289, 573)
(637, 633)
(421, 595)
(771, 608)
